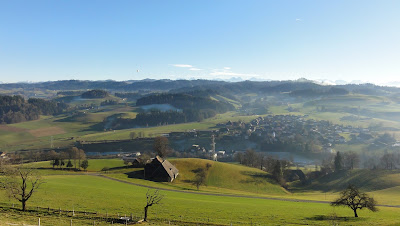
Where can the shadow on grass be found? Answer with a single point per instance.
(136, 174)
(257, 177)
(334, 218)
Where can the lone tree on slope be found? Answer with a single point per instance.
(152, 198)
(354, 199)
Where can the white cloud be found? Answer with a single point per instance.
(195, 69)
(227, 68)
(298, 19)
(182, 65)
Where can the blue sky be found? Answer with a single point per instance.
(122, 40)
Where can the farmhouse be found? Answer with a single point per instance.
(160, 170)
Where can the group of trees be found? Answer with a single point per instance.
(264, 162)
(341, 161)
(14, 109)
(351, 160)
(73, 157)
(96, 93)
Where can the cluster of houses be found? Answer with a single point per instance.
(279, 128)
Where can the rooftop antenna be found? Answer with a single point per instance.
(51, 142)
(213, 143)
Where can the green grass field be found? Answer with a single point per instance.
(183, 206)
(92, 193)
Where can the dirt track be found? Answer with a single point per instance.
(226, 195)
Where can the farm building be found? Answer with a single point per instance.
(160, 170)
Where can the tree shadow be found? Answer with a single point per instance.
(257, 177)
(333, 218)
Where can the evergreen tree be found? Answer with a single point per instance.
(338, 163)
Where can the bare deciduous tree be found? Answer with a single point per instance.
(355, 199)
(152, 198)
(20, 183)
(161, 146)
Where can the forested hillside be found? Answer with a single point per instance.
(14, 109)
(192, 108)
(186, 101)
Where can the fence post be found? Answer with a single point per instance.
(73, 212)
(71, 223)
(39, 221)
(59, 211)
(13, 205)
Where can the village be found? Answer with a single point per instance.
(285, 134)
(280, 129)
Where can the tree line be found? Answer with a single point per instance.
(14, 109)
(352, 160)
(70, 158)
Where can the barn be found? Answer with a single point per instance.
(160, 170)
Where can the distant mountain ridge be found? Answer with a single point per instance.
(167, 85)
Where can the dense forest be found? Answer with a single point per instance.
(96, 93)
(14, 109)
(186, 101)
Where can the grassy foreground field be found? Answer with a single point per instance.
(91, 193)
(183, 205)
